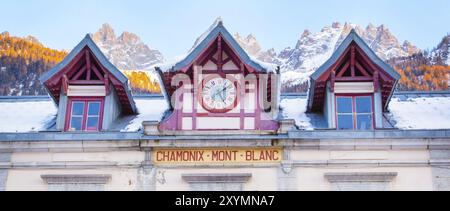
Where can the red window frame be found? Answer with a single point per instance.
(354, 113)
(86, 101)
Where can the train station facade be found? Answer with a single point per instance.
(222, 124)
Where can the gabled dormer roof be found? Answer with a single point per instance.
(354, 37)
(56, 72)
(205, 40)
(389, 76)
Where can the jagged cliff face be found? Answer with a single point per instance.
(127, 51)
(314, 49)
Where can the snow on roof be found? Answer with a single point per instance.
(26, 116)
(406, 112)
(420, 113)
(149, 110)
(296, 109)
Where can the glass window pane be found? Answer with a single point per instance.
(345, 122)
(364, 122)
(92, 123)
(76, 123)
(78, 108)
(363, 105)
(344, 105)
(94, 109)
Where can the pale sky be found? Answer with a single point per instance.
(172, 26)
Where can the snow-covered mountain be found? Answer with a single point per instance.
(313, 49)
(297, 63)
(127, 51)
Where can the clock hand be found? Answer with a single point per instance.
(224, 90)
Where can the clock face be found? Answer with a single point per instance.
(219, 95)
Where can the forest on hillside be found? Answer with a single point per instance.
(22, 61)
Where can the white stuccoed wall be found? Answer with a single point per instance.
(308, 170)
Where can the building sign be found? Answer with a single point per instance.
(217, 156)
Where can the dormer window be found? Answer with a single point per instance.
(90, 92)
(354, 112)
(85, 114)
(353, 88)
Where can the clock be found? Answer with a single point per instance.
(219, 95)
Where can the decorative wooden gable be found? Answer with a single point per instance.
(87, 72)
(220, 58)
(353, 68)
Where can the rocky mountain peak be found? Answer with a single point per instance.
(126, 52)
(409, 47)
(130, 38)
(105, 33)
(370, 27)
(336, 25)
(249, 43)
(305, 33)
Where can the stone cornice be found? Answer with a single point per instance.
(297, 144)
(77, 179)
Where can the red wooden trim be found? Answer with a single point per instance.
(195, 102)
(343, 70)
(179, 110)
(206, 56)
(361, 68)
(242, 92)
(220, 57)
(86, 101)
(215, 61)
(68, 68)
(352, 61)
(97, 73)
(334, 66)
(354, 79)
(227, 60)
(258, 103)
(371, 65)
(333, 79)
(78, 75)
(376, 80)
(107, 84)
(222, 73)
(84, 82)
(235, 57)
(88, 66)
(65, 82)
(219, 114)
